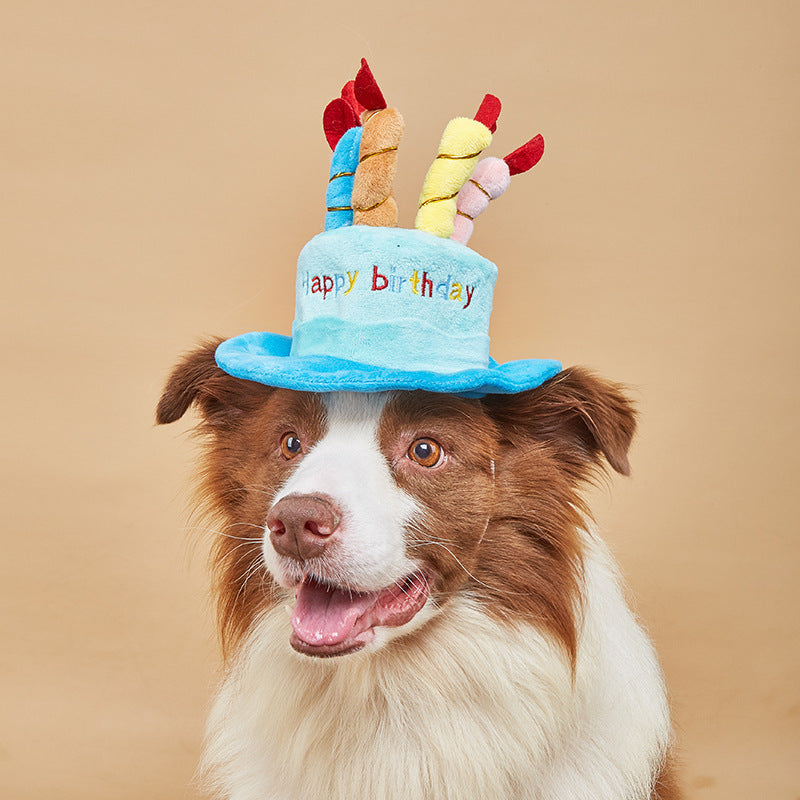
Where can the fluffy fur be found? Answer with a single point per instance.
(524, 675)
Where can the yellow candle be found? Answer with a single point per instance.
(462, 142)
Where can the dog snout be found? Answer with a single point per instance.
(301, 525)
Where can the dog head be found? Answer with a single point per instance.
(374, 510)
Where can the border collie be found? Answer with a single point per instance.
(412, 600)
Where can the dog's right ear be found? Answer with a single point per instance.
(582, 417)
(197, 379)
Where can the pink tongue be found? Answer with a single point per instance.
(326, 616)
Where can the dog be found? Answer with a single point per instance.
(412, 600)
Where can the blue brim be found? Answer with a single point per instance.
(265, 358)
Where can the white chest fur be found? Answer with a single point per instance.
(466, 708)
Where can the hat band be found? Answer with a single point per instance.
(411, 344)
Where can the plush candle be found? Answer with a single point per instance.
(490, 179)
(338, 197)
(462, 142)
(372, 199)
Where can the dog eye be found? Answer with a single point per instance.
(425, 452)
(290, 445)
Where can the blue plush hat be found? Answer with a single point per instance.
(380, 307)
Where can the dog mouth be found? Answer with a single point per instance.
(330, 620)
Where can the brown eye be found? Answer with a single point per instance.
(425, 452)
(290, 445)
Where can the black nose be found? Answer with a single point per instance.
(301, 525)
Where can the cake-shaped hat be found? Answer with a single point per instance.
(380, 307)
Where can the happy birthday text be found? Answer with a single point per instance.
(424, 285)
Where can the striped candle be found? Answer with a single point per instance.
(338, 197)
(462, 142)
(373, 203)
(490, 179)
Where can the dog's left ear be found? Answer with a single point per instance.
(220, 398)
(580, 415)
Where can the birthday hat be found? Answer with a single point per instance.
(380, 307)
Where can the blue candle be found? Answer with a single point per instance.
(338, 197)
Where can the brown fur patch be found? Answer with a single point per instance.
(529, 568)
(506, 533)
(242, 469)
(242, 474)
(550, 440)
(457, 495)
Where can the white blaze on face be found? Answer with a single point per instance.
(347, 464)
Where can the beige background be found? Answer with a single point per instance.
(162, 165)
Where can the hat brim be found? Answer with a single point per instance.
(265, 358)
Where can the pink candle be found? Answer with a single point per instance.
(490, 179)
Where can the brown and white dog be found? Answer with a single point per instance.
(410, 600)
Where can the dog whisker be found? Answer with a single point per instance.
(439, 543)
(248, 551)
(259, 489)
(248, 574)
(215, 531)
(242, 488)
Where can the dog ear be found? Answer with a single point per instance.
(197, 379)
(580, 415)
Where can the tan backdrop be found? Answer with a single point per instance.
(162, 165)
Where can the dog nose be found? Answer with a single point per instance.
(301, 525)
